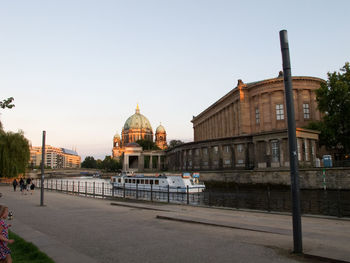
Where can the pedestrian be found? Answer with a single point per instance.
(21, 185)
(32, 187)
(14, 183)
(28, 181)
(5, 252)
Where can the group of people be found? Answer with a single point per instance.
(5, 252)
(24, 185)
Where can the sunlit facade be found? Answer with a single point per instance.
(54, 157)
(247, 128)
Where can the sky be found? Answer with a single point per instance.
(78, 68)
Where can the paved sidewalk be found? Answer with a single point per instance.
(78, 229)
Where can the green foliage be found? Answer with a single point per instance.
(333, 100)
(147, 145)
(14, 153)
(25, 252)
(7, 103)
(174, 143)
(111, 165)
(89, 162)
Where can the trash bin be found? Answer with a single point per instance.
(327, 161)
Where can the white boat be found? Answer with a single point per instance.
(176, 183)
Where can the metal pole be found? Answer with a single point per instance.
(137, 190)
(168, 193)
(287, 74)
(42, 170)
(151, 192)
(188, 195)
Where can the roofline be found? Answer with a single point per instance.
(251, 85)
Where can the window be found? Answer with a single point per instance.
(215, 149)
(257, 116)
(275, 151)
(306, 110)
(156, 181)
(226, 149)
(146, 181)
(240, 148)
(279, 112)
(205, 151)
(227, 162)
(299, 153)
(196, 152)
(306, 149)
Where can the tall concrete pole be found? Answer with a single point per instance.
(293, 157)
(42, 170)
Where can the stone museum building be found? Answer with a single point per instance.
(137, 127)
(247, 128)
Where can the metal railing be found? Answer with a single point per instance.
(330, 202)
(106, 190)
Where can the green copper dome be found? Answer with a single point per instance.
(137, 121)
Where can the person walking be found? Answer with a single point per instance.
(5, 252)
(14, 183)
(28, 181)
(21, 185)
(32, 187)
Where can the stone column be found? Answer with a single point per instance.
(151, 162)
(159, 162)
(141, 165)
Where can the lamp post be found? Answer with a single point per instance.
(42, 170)
(293, 157)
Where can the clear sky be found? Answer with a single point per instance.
(78, 68)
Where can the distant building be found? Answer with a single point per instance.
(55, 157)
(137, 127)
(247, 128)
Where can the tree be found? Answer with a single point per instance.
(148, 145)
(174, 143)
(7, 103)
(89, 162)
(14, 153)
(111, 165)
(333, 98)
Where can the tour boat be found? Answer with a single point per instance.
(175, 183)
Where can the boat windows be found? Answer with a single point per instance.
(151, 181)
(138, 181)
(156, 181)
(133, 181)
(146, 181)
(119, 180)
(142, 181)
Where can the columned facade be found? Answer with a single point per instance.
(247, 128)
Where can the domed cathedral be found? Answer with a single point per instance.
(161, 137)
(137, 127)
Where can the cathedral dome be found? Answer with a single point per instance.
(160, 129)
(137, 121)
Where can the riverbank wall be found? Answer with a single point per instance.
(311, 178)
